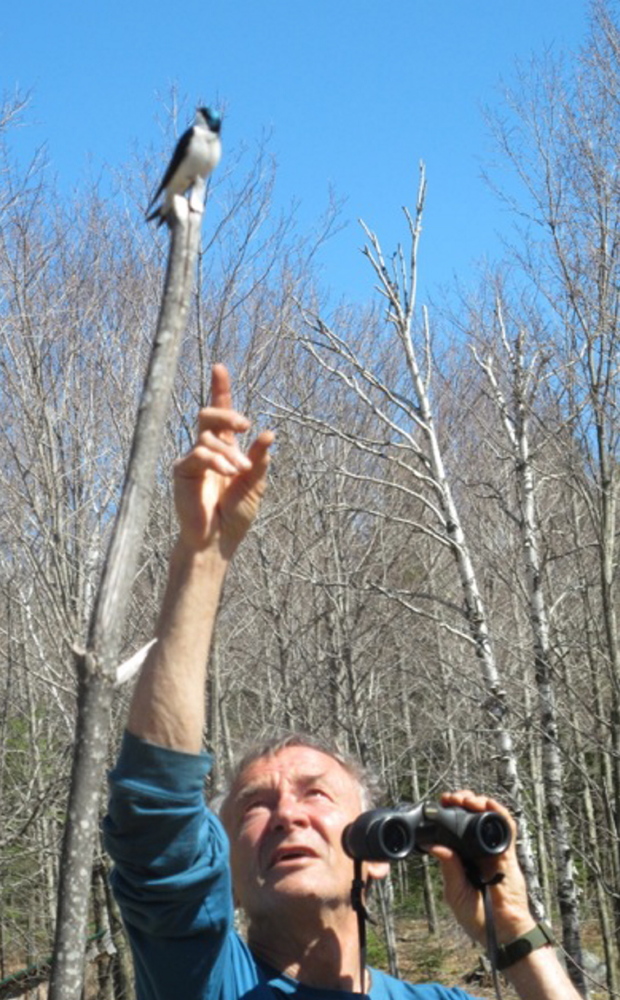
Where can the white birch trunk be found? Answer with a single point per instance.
(401, 305)
(397, 285)
(517, 428)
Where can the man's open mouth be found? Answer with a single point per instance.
(290, 853)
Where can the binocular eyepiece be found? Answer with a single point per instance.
(391, 834)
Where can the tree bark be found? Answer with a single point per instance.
(516, 425)
(96, 666)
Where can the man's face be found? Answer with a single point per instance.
(285, 818)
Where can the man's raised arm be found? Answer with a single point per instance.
(217, 491)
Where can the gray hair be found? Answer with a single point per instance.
(370, 789)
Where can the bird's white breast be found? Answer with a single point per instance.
(203, 155)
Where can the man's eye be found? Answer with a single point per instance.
(318, 793)
(253, 805)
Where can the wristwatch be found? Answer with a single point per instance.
(508, 954)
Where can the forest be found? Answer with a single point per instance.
(433, 580)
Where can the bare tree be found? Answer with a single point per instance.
(561, 137)
(403, 416)
(525, 377)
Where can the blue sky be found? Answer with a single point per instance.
(354, 92)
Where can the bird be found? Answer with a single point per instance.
(197, 154)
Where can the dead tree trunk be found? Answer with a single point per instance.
(96, 665)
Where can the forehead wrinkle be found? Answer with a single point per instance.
(270, 781)
(243, 788)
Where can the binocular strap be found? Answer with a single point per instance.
(357, 902)
(482, 886)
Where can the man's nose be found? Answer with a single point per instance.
(288, 812)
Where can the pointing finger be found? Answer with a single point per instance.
(220, 387)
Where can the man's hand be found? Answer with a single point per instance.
(217, 493)
(217, 488)
(538, 975)
(511, 912)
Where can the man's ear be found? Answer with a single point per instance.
(377, 869)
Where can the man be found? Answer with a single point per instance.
(284, 814)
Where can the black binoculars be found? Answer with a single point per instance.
(391, 834)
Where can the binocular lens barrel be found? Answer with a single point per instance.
(492, 832)
(395, 837)
(392, 834)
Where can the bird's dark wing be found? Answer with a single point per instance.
(177, 157)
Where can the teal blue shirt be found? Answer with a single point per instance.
(171, 878)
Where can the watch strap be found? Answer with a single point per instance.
(508, 954)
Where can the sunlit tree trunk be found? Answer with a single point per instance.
(515, 420)
(97, 665)
(410, 418)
